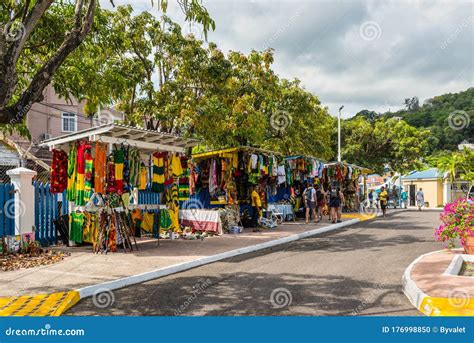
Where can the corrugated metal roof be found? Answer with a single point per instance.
(431, 173)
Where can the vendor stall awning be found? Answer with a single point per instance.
(215, 153)
(362, 169)
(118, 133)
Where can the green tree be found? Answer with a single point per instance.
(39, 35)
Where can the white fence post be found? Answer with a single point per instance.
(21, 179)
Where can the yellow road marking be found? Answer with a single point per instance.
(53, 304)
(447, 306)
(360, 216)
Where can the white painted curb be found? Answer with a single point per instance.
(158, 273)
(410, 289)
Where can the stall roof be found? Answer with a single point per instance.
(302, 156)
(231, 150)
(362, 169)
(117, 133)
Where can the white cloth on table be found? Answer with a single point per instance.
(201, 220)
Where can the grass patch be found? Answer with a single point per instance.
(467, 269)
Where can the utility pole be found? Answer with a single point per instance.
(339, 134)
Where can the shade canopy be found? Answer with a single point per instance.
(143, 139)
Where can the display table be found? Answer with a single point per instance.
(201, 220)
(286, 210)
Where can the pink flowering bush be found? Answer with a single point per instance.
(457, 222)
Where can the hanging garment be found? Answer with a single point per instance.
(213, 178)
(59, 167)
(175, 166)
(165, 219)
(253, 161)
(281, 174)
(119, 158)
(143, 177)
(135, 167)
(90, 231)
(147, 222)
(126, 168)
(89, 164)
(76, 222)
(71, 173)
(136, 219)
(111, 178)
(81, 168)
(172, 203)
(100, 167)
(158, 179)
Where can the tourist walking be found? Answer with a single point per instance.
(371, 198)
(334, 202)
(420, 199)
(404, 199)
(256, 207)
(320, 198)
(309, 198)
(383, 196)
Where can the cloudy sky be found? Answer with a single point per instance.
(360, 54)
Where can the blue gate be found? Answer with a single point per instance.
(46, 210)
(7, 210)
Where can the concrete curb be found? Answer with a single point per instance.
(158, 273)
(433, 306)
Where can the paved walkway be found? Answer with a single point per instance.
(353, 271)
(84, 268)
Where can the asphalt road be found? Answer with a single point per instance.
(355, 271)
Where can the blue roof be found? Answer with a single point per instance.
(431, 173)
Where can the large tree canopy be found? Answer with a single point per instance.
(39, 35)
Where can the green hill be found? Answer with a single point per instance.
(450, 117)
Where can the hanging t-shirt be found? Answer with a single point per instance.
(76, 222)
(71, 174)
(281, 174)
(59, 177)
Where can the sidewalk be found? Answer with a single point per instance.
(84, 268)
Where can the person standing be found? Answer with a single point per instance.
(395, 196)
(334, 201)
(320, 198)
(309, 198)
(256, 207)
(404, 199)
(420, 199)
(383, 196)
(371, 198)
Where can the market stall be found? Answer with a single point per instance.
(352, 181)
(224, 178)
(103, 169)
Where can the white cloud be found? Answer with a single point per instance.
(423, 48)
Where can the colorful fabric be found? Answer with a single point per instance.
(59, 169)
(147, 222)
(111, 177)
(143, 177)
(76, 222)
(175, 166)
(158, 178)
(90, 228)
(135, 167)
(100, 167)
(71, 174)
(119, 158)
(80, 179)
(89, 164)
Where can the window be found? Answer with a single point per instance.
(69, 122)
